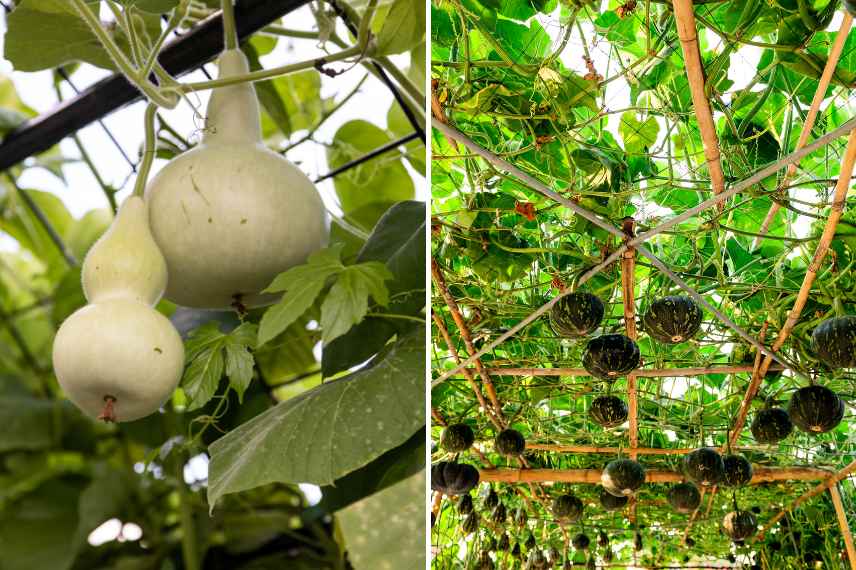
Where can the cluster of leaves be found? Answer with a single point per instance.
(257, 399)
(536, 83)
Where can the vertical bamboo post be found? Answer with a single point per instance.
(845, 527)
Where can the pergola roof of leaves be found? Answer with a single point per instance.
(537, 160)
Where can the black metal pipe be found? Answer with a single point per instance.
(200, 45)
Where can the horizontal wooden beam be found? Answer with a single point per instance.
(592, 476)
(593, 449)
(652, 373)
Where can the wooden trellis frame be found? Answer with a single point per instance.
(626, 253)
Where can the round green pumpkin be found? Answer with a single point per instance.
(608, 411)
(771, 425)
(815, 409)
(452, 478)
(499, 515)
(457, 438)
(672, 319)
(581, 541)
(503, 544)
(612, 502)
(684, 497)
(738, 470)
(465, 505)
(739, 525)
(509, 442)
(622, 477)
(490, 499)
(568, 508)
(834, 341)
(576, 315)
(611, 355)
(471, 523)
(704, 466)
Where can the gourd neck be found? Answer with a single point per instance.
(233, 111)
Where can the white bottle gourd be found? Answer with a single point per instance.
(117, 358)
(230, 215)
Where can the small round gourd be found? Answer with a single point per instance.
(622, 477)
(611, 502)
(491, 499)
(503, 544)
(536, 559)
(509, 442)
(471, 523)
(637, 541)
(230, 215)
(608, 411)
(602, 539)
(815, 409)
(771, 425)
(567, 508)
(673, 319)
(684, 497)
(611, 355)
(465, 505)
(452, 478)
(576, 315)
(704, 466)
(739, 525)
(834, 341)
(457, 438)
(581, 541)
(499, 514)
(738, 470)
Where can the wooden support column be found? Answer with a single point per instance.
(628, 294)
(845, 526)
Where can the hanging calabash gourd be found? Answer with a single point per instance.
(117, 358)
(230, 214)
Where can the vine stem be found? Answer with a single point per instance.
(148, 151)
(230, 33)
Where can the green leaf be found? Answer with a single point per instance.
(348, 300)
(239, 360)
(267, 93)
(403, 28)
(302, 285)
(153, 6)
(329, 431)
(210, 353)
(203, 376)
(397, 544)
(638, 136)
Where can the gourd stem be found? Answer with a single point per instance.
(148, 151)
(230, 34)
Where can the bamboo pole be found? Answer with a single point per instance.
(749, 395)
(686, 25)
(693, 517)
(593, 449)
(845, 526)
(808, 125)
(641, 373)
(628, 294)
(829, 482)
(440, 281)
(592, 476)
(839, 197)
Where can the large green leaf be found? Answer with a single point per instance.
(399, 542)
(403, 28)
(328, 431)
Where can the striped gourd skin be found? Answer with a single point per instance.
(576, 315)
(622, 477)
(771, 425)
(738, 470)
(568, 508)
(611, 355)
(608, 411)
(612, 502)
(684, 497)
(509, 442)
(815, 409)
(834, 342)
(740, 525)
(704, 466)
(672, 319)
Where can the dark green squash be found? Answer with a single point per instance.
(815, 409)
(581, 541)
(684, 497)
(834, 341)
(738, 470)
(608, 555)
(672, 319)
(608, 411)
(515, 551)
(704, 466)
(576, 315)
(521, 517)
(457, 438)
(471, 523)
(622, 477)
(602, 539)
(531, 542)
(503, 544)
(612, 502)
(739, 525)
(536, 559)
(465, 505)
(568, 508)
(689, 542)
(611, 355)
(499, 514)
(490, 499)
(509, 442)
(452, 478)
(771, 425)
(553, 555)
(637, 542)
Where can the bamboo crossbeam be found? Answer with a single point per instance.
(592, 476)
(844, 525)
(838, 200)
(686, 26)
(811, 116)
(628, 294)
(642, 373)
(593, 449)
(829, 482)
